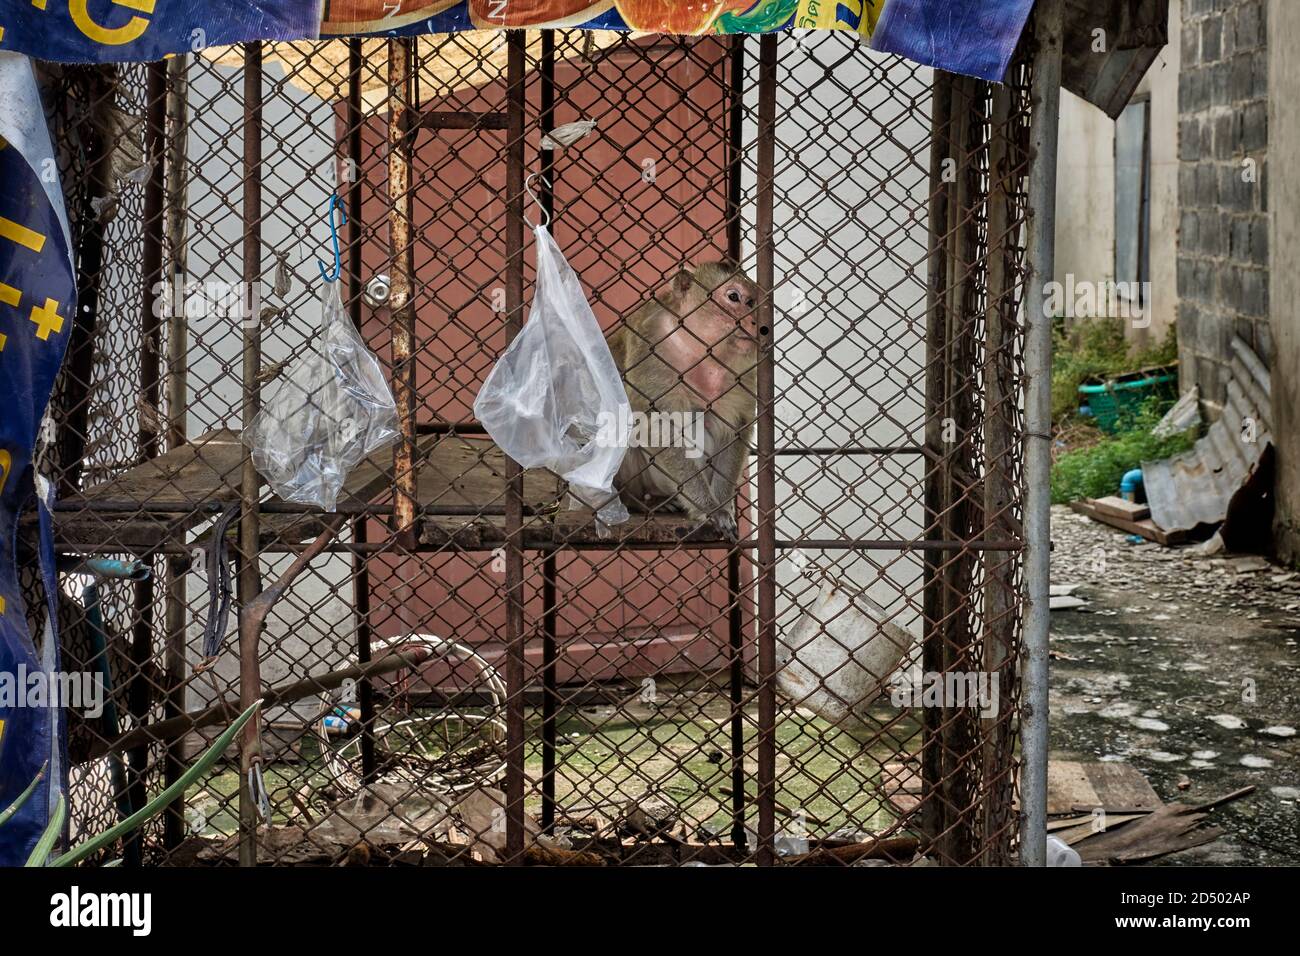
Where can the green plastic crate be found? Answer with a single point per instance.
(1114, 400)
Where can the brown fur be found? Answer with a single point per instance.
(692, 348)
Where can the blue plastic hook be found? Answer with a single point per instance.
(335, 204)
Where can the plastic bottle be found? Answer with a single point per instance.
(1060, 853)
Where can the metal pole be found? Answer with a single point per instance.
(515, 724)
(177, 403)
(140, 692)
(360, 564)
(766, 454)
(1000, 616)
(248, 584)
(550, 648)
(1038, 423)
(735, 618)
(934, 602)
(400, 298)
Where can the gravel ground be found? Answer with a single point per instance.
(1187, 667)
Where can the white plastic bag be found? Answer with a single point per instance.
(555, 398)
(328, 411)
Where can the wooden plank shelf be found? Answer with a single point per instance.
(461, 492)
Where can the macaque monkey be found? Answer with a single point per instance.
(689, 358)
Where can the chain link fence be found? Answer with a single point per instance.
(456, 666)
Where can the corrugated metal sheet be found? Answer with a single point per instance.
(1196, 487)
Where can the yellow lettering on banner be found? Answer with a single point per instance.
(47, 319)
(111, 36)
(858, 15)
(17, 232)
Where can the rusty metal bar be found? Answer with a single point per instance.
(455, 119)
(402, 277)
(516, 730)
(965, 281)
(78, 365)
(935, 401)
(765, 244)
(355, 265)
(585, 544)
(1000, 596)
(175, 728)
(148, 405)
(735, 584)
(149, 402)
(177, 383)
(550, 650)
(550, 689)
(248, 584)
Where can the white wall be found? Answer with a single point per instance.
(1284, 266)
(852, 188)
(298, 177)
(1085, 191)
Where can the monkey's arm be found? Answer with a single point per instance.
(617, 342)
(694, 492)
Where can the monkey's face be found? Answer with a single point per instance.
(737, 298)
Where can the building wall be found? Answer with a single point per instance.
(1085, 195)
(1284, 246)
(1223, 243)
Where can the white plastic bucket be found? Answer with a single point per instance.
(839, 654)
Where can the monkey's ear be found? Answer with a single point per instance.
(682, 283)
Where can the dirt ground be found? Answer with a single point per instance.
(1186, 667)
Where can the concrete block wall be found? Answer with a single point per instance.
(1223, 236)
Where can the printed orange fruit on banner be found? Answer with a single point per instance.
(532, 13)
(685, 17)
(375, 16)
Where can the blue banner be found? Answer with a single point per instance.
(37, 299)
(976, 37)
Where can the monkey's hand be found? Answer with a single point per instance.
(725, 522)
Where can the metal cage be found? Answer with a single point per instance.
(457, 667)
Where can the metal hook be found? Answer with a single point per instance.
(334, 204)
(532, 195)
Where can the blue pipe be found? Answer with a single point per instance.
(112, 727)
(106, 568)
(1131, 486)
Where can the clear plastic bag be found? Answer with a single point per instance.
(555, 398)
(328, 411)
